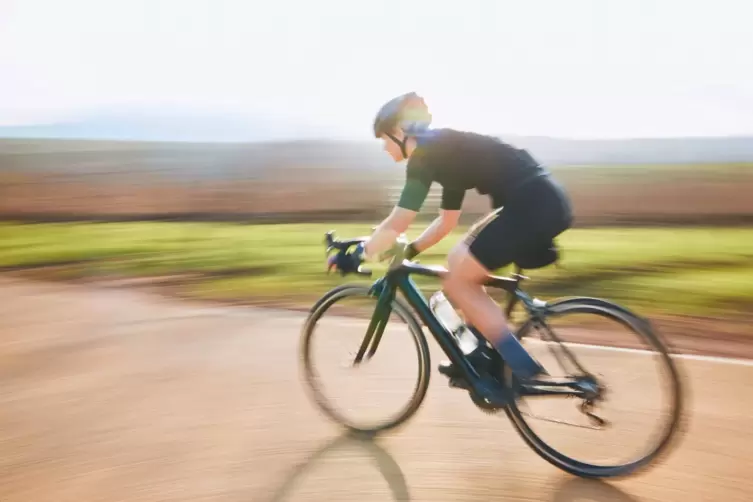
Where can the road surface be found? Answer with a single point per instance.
(111, 394)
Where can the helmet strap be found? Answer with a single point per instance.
(401, 144)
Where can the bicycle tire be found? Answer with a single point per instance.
(665, 439)
(600, 302)
(403, 311)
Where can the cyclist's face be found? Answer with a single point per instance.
(391, 147)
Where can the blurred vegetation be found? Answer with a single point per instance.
(705, 271)
(632, 182)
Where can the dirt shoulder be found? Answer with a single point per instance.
(698, 335)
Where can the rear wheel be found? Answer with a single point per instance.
(354, 320)
(582, 324)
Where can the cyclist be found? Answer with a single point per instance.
(536, 210)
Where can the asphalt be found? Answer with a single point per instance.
(113, 394)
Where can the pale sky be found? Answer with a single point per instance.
(570, 68)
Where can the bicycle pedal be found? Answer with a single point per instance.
(458, 383)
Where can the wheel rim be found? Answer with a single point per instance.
(555, 442)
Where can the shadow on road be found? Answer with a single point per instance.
(387, 466)
(583, 490)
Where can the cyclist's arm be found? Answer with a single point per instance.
(449, 215)
(387, 232)
(417, 185)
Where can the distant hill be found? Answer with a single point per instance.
(195, 161)
(173, 126)
(310, 141)
(639, 150)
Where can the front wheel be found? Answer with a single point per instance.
(619, 353)
(396, 352)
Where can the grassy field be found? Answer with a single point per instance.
(679, 271)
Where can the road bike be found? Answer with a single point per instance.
(414, 310)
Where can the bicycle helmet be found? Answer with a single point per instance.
(407, 112)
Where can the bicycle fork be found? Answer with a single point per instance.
(378, 322)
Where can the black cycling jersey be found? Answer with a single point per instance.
(460, 161)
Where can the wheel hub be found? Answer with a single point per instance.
(591, 388)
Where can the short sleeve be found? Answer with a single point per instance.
(418, 181)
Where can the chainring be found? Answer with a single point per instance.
(497, 370)
(483, 405)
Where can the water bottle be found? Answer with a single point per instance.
(442, 308)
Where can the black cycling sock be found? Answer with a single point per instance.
(517, 357)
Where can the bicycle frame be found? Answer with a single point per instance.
(414, 309)
(399, 278)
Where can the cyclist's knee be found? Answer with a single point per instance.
(455, 257)
(463, 266)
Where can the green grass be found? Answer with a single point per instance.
(678, 270)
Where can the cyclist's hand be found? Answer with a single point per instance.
(400, 250)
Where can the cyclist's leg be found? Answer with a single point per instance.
(533, 221)
(469, 264)
(478, 357)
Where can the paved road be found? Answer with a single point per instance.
(114, 395)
